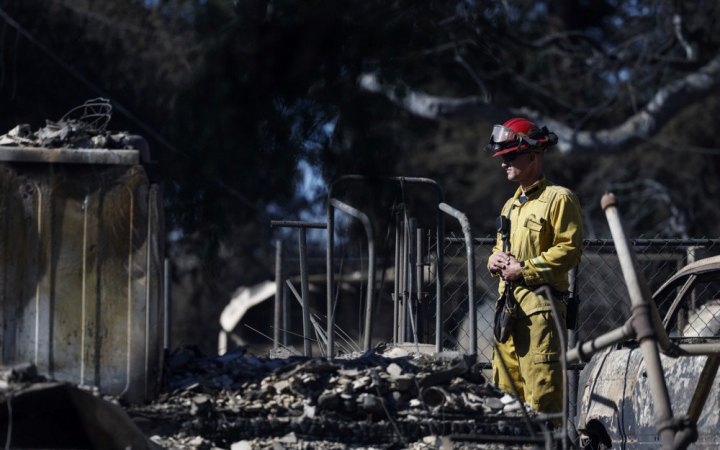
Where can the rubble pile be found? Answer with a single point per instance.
(38, 412)
(404, 401)
(70, 134)
(19, 375)
(83, 127)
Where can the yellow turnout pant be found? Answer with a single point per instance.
(532, 357)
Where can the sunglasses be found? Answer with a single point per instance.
(512, 156)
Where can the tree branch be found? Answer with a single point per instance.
(677, 25)
(644, 124)
(426, 105)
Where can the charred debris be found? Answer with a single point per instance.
(384, 398)
(83, 127)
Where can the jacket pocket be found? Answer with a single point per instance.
(534, 223)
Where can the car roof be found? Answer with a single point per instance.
(697, 267)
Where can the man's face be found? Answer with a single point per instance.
(519, 167)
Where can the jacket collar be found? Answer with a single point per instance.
(532, 192)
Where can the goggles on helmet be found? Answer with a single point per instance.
(504, 135)
(504, 140)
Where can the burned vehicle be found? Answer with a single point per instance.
(615, 406)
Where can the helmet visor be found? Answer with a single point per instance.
(501, 134)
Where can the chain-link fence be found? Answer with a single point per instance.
(604, 301)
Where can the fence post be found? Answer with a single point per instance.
(573, 376)
(465, 224)
(330, 278)
(410, 263)
(285, 315)
(279, 290)
(420, 282)
(439, 275)
(167, 304)
(305, 291)
(402, 305)
(691, 253)
(396, 283)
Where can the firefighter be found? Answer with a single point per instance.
(545, 242)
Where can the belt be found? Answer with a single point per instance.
(557, 294)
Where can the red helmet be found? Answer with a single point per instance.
(520, 135)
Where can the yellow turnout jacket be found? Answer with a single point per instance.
(546, 234)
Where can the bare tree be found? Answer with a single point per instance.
(604, 82)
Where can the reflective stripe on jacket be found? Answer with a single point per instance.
(546, 233)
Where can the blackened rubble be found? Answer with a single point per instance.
(36, 412)
(70, 134)
(365, 401)
(83, 127)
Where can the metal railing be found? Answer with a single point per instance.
(460, 266)
(330, 271)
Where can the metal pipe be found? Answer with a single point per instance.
(436, 397)
(396, 285)
(573, 375)
(302, 248)
(684, 438)
(411, 261)
(699, 349)
(702, 391)
(279, 289)
(330, 279)
(367, 224)
(440, 227)
(167, 303)
(285, 316)
(658, 388)
(470, 253)
(439, 277)
(635, 281)
(402, 311)
(585, 350)
(643, 318)
(422, 330)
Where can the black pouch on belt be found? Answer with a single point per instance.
(573, 304)
(505, 310)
